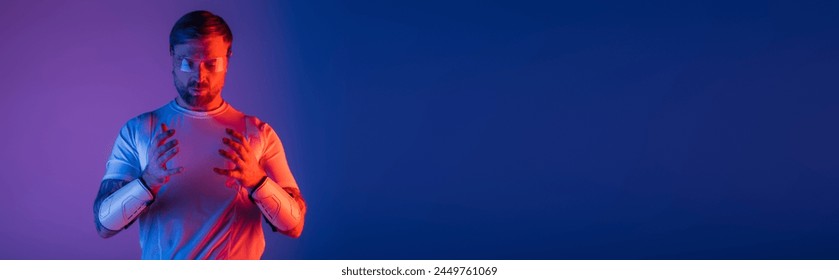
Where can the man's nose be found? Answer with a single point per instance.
(202, 72)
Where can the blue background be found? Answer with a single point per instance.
(459, 129)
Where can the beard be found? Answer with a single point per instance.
(201, 100)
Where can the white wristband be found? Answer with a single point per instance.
(122, 206)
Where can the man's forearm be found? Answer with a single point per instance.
(281, 209)
(118, 204)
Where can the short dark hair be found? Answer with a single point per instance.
(199, 24)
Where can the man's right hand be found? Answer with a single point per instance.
(156, 173)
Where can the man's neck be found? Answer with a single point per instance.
(215, 104)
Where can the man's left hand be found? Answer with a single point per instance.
(247, 171)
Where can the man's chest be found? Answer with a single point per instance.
(198, 187)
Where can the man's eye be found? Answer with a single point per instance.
(186, 65)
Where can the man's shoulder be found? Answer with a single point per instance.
(262, 136)
(259, 130)
(145, 119)
(256, 122)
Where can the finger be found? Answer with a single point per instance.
(239, 138)
(236, 174)
(235, 146)
(161, 137)
(174, 171)
(163, 132)
(232, 157)
(166, 147)
(167, 156)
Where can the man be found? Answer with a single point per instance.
(199, 175)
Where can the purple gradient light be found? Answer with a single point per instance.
(73, 74)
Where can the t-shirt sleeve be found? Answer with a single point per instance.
(124, 163)
(274, 159)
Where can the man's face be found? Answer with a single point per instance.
(199, 68)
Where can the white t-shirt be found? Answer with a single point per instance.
(199, 214)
